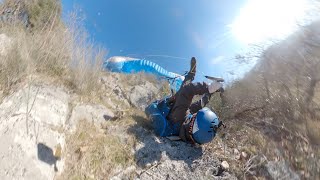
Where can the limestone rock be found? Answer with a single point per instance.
(96, 114)
(29, 122)
(115, 91)
(161, 158)
(225, 165)
(236, 154)
(141, 96)
(280, 169)
(244, 155)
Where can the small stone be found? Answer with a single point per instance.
(238, 157)
(84, 148)
(58, 151)
(91, 176)
(148, 165)
(236, 151)
(307, 175)
(155, 163)
(225, 165)
(244, 155)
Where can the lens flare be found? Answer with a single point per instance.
(260, 20)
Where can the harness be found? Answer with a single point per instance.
(190, 129)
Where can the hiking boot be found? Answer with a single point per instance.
(193, 65)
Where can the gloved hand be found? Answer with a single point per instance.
(214, 86)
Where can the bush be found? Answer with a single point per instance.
(64, 53)
(280, 99)
(43, 12)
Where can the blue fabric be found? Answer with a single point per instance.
(137, 65)
(157, 112)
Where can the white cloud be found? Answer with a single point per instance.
(217, 60)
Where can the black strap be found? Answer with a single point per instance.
(190, 129)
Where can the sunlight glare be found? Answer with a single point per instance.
(261, 20)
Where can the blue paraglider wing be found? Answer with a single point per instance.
(130, 65)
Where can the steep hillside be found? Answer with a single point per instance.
(280, 99)
(49, 132)
(63, 117)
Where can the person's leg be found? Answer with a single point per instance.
(184, 99)
(192, 72)
(187, 79)
(196, 106)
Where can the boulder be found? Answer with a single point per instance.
(30, 122)
(97, 114)
(281, 170)
(140, 96)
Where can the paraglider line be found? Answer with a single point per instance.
(164, 56)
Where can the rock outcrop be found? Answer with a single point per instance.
(35, 121)
(29, 132)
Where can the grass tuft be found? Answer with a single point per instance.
(94, 154)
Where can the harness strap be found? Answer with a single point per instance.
(189, 132)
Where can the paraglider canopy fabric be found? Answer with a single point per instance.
(129, 65)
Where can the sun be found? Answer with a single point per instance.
(260, 20)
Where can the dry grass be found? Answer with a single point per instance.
(279, 101)
(284, 85)
(244, 139)
(41, 12)
(313, 131)
(92, 154)
(60, 51)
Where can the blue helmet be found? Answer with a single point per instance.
(205, 125)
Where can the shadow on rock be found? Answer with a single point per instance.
(45, 154)
(153, 149)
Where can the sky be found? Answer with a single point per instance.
(170, 32)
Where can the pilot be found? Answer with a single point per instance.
(197, 123)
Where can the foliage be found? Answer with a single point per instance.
(42, 12)
(64, 53)
(279, 98)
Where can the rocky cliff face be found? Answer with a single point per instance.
(49, 129)
(36, 120)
